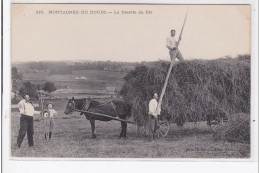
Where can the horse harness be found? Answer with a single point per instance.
(85, 103)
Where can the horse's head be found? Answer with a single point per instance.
(70, 106)
(77, 105)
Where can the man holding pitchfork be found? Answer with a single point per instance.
(171, 45)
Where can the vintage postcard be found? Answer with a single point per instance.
(132, 81)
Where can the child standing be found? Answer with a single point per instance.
(48, 121)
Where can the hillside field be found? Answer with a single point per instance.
(96, 79)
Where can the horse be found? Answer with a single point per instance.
(114, 108)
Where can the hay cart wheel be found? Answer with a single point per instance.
(217, 124)
(163, 130)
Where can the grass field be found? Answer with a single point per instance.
(72, 139)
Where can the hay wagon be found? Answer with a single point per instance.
(214, 123)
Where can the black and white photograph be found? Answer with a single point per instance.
(130, 81)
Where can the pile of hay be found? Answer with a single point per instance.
(195, 88)
(237, 129)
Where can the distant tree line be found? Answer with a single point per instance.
(52, 68)
(88, 66)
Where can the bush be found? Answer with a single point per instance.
(49, 87)
(28, 89)
(15, 75)
(237, 129)
(195, 89)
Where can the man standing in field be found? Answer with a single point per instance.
(153, 114)
(171, 44)
(26, 121)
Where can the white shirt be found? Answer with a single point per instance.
(171, 42)
(26, 108)
(152, 108)
(52, 112)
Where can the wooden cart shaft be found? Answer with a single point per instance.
(104, 115)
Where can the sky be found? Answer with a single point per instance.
(210, 32)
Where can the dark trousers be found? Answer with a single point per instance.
(152, 126)
(26, 125)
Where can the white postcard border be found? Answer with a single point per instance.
(83, 165)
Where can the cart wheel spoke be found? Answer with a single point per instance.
(159, 133)
(162, 133)
(163, 129)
